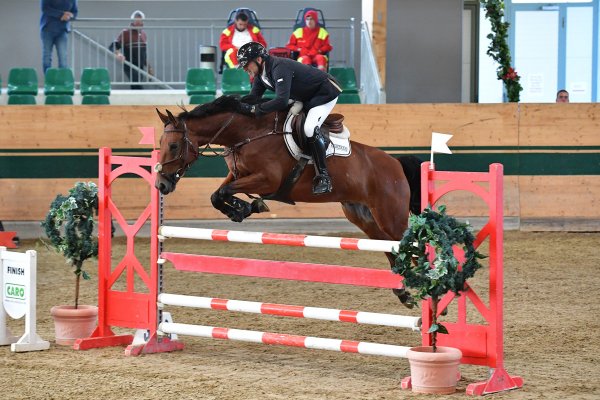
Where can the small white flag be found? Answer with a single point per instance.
(438, 143)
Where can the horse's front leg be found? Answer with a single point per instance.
(237, 209)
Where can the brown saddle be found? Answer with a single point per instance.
(333, 124)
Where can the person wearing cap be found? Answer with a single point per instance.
(55, 24)
(236, 35)
(291, 80)
(130, 46)
(311, 42)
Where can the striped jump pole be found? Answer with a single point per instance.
(307, 342)
(283, 310)
(283, 239)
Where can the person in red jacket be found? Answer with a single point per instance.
(311, 42)
(236, 35)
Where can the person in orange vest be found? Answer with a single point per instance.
(311, 42)
(236, 35)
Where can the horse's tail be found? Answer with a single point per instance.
(412, 169)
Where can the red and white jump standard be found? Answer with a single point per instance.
(142, 308)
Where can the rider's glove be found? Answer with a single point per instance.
(247, 109)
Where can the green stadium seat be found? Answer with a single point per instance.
(21, 99)
(346, 77)
(349, 98)
(201, 98)
(235, 81)
(95, 81)
(200, 81)
(59, 81)
(268, 95)
(22, 81)
(59, 99)
(95, 99)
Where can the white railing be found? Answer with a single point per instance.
(173, 46)
(370, 82)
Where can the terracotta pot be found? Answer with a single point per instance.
(434, 372)
(72, 323)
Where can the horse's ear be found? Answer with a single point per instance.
(172, 119)
(162, 117)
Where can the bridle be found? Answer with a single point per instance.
(185, 151)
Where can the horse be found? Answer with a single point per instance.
(371, 185)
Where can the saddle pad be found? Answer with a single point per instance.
(339, 142)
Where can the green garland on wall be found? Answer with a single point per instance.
(498, 49)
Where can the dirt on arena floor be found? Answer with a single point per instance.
(551, 323)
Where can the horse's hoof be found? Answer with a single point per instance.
(259, 206)
(405, 298)
(235, 216)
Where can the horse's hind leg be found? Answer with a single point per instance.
(361, 216)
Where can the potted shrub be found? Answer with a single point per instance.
(69, 225)
(426, 260)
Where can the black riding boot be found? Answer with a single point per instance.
(321, 182)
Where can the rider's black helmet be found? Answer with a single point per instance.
(250, 51)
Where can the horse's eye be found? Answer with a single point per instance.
(173, 146)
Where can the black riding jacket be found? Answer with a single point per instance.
(293, 80)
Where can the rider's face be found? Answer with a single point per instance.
(252, 67)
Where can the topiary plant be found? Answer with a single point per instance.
(439, 232)
(69, 225)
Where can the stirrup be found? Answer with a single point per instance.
(322, 184)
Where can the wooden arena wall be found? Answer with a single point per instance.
(550, 153)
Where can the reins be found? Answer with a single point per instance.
(196, 152)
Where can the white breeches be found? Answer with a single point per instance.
(316, 116)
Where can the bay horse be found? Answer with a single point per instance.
(371, 185)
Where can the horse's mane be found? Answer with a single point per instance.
(225, 103)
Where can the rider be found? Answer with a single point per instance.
(292, 80)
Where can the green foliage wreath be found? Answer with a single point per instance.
(440, 232)
(499, 50)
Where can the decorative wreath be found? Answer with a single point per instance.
(441, 232)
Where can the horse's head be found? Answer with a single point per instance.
(206, 125)
(177, 153)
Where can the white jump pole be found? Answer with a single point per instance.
(327, 242)
(308, 342)
(327, 314)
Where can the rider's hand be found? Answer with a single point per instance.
(247, 109)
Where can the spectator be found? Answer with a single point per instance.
(311, 42)
(562, 96)
(54, 26)
(236, 35)
(130, 46)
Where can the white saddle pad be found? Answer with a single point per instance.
(339, 145)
